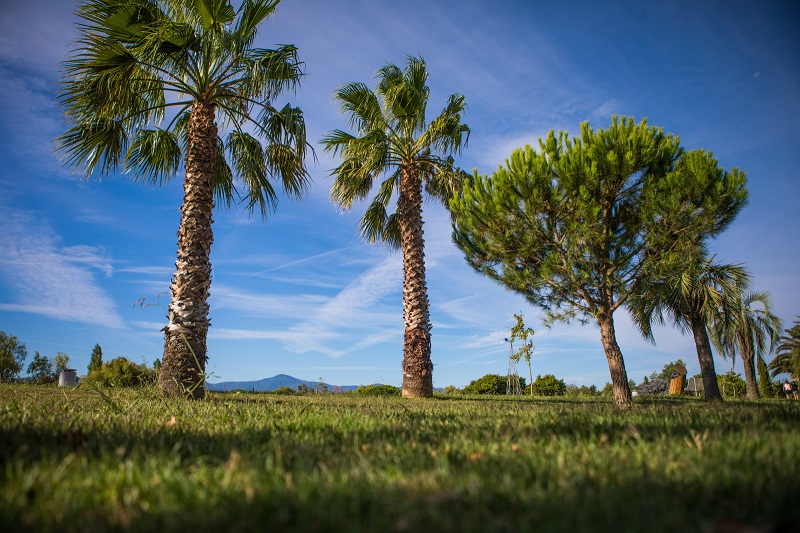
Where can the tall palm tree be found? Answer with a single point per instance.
(695, 293)
(143, 90)
(747, 331)
(787, 353)
(393, 141)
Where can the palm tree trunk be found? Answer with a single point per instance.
(183, 366)
(748, 361)
(417, 365)
(616, 364)
(705, 358)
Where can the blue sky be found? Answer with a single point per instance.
(299, 293)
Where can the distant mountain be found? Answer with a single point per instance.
(270, 384)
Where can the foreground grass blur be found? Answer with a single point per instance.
(115, 459)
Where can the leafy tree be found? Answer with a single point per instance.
(521, 333)
(669, 369)
(750, 331)
(696, 294)
(579, 225)
(732, 384)
(60, 362)
(548, 385)
(488, 384)
(12, 356)
(143, 90)
(392, 140)
(787, 353)
(121, 372)
(41, 369)
(96, 360)
(582, 391)
(285, 391)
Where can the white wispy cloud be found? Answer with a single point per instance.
(148, 270)
(260, 305)
(366, 312)
(50, 280)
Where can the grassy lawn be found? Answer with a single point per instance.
(128, 460)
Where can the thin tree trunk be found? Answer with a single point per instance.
(183, 366)
(417, 365)
(748, 360)
(705, 358)
(616, 364)
(530, 376)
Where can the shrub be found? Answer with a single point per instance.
(573, 391)
(286, 391)
(121, 372)
(377, 390)
(549, 385)
(450, 390)
(654, 387)
(488, 384)
(731, 384)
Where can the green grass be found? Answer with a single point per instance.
(82, 460)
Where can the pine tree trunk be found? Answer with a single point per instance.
(183, 366)
(705, 358)
(748, 360)
(616, 364)
(417, 365)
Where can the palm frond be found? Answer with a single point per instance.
(361, 106)
(249, 162)
(94, 145)
(269, 73)
(154, 156)
(251, 14)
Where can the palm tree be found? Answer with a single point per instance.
(142, 91)
(787, 358)
(393, 140)
(747, 331)
(695, 294)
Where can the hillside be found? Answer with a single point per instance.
(270, 384)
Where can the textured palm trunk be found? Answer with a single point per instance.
(616, 364)
(748, 360)
(417, 365)
(183, 366)
(705, 358)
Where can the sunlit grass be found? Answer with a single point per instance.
(128, 459)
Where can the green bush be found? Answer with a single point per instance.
(549, 385)
(488, 384)
(573, 391)
(377, 390)
(286, 391)
(121, 372)
(731, 384)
